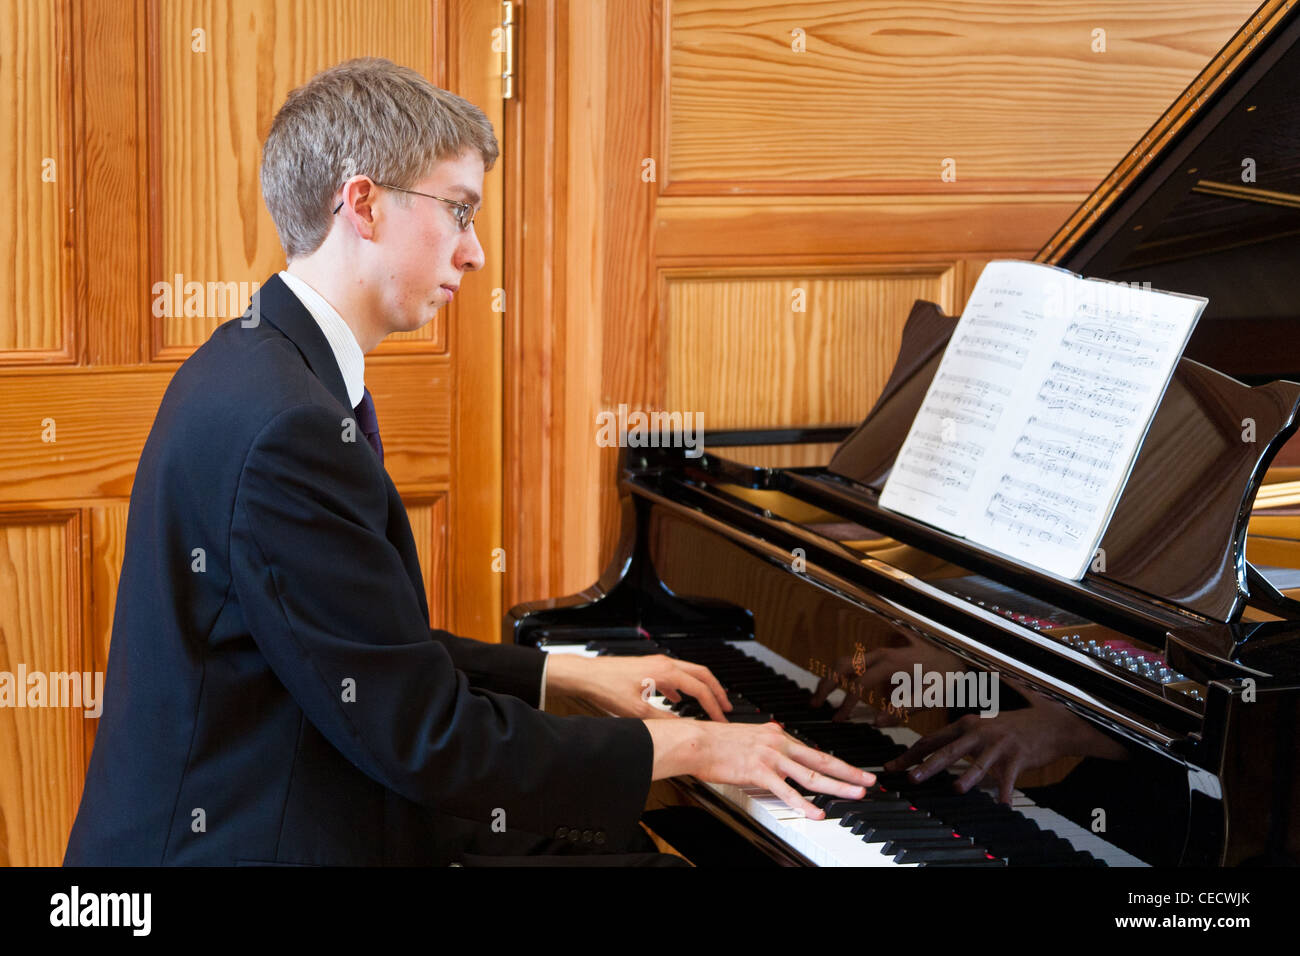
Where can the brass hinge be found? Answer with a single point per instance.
(505, 43)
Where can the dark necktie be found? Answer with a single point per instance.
(369, 424)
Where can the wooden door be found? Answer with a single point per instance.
(133, 139)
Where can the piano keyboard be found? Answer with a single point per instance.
(899, 823)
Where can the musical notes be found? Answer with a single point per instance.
(1027, 518)
(989, 349)
(1036, 412)
(1110, 356)
(975, 385)
(1014, 330)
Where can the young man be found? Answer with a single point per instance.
(275, 693)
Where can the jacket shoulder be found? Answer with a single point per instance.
(247, 375)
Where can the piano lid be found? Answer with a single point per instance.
(1208, 203)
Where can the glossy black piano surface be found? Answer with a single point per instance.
(719, 556)
(1162, 690)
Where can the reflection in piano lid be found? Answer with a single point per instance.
(1160, 694)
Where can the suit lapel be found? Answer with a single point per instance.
(275, 302)
(285, 311)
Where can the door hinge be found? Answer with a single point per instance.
(505, 44)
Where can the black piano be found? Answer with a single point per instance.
(1157, 698)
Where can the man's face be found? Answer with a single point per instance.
(422, 253)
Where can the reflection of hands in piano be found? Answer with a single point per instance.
(1002, 747)
(622, 684)
(868, 680)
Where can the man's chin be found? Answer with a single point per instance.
(429, 314)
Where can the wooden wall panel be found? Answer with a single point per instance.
(817, 229)
(415, 404)
(107, 550)
(476, 341)
(113, 189)
(98, 419)
(739, 352)
(429, 527)
(215, 108)
(41, 749)
(882, 92)
(32, 317)
(101, 419)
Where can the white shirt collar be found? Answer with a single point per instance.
(352, 361)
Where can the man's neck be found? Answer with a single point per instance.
(345, 293)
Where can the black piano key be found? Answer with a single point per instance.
(871, 811)
(933, 854)
(929, 843)
(984, 862)
(897, 830)
(628, 649)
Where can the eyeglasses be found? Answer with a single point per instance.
(464, 211)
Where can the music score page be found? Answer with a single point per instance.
(1037, 411)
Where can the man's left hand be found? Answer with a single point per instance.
(623, 685)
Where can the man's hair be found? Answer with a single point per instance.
(366, 116)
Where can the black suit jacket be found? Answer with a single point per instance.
(274, 690)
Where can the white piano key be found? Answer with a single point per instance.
(823, 842)
(578, 650)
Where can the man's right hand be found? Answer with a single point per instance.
(753, 755)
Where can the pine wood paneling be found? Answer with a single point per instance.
(429, 527)
(415, 404)
(534, 338)
(739, 352)
(107, 550)
(102, 418)
(41, 748)
(884, 92)
(112, 207)
(820, 228)
(32, 163)
(476, 333)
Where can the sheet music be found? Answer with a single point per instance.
(1036, 413)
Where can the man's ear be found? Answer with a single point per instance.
(359, 197)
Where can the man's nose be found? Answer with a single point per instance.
(469, 253)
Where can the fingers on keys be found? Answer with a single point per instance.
(819, 771)
(704, 674)
(704, 694)
(791, 797)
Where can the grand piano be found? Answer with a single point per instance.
(1160, 694)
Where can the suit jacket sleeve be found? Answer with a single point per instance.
(327, 602)
(502, 668)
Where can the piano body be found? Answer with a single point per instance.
(1167, 680)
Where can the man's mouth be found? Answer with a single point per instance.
(451, 291)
